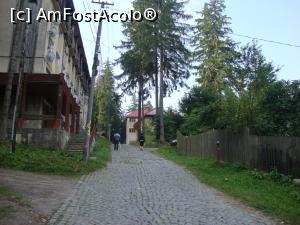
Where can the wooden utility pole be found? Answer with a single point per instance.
(92, 87)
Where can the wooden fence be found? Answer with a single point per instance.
(262, 152)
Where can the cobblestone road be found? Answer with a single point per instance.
(138, 188)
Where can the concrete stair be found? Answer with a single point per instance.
(76, 143)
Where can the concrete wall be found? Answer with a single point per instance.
(48, 138)
(132, 136)
(6, 28)
(129, 135)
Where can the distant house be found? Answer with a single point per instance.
(131, 123)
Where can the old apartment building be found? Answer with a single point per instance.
(53, 103)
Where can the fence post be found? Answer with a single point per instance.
(186, 144)
(218, 151)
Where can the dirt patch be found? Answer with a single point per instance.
(44, 194)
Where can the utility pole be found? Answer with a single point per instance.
(19, 90)
(92, 87)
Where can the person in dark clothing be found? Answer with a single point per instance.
(117, 138)
(142, 141)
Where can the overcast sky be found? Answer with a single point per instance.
(274, 20)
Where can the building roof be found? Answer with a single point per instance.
(147, 112)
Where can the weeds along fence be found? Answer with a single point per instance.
(262, 152)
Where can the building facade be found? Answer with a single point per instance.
(131, 124)
(55, 87)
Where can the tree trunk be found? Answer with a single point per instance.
(161, 100)
(156, 85)
(139, 108)
(157, 135)
(143, 114)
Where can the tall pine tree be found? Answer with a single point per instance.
(162, 56)
(107, 109)
(214, 53)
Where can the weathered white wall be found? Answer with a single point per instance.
(6, 28)
(130, 136)
(62, 64)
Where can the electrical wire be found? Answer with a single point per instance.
(89, 7)
(94, 37)
(265, 40)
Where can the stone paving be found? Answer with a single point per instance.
(139, 188)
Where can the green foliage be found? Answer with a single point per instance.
(279, 110)
(107, 104)
(149, 133)
(238, 166)
(279, 178)
(214, 50)
(133, 104)
(237, 86)
(252, 187)
(5, 211)
(257, 174)
(156, 47)
(199, 108)
(41, 160)
(148, 105)
(172, 120)
(273, 175)
(13, 196)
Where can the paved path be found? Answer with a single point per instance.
(138, 188)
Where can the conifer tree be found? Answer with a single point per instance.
(214, 53)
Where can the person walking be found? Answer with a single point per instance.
(117, 138)
(142, 141)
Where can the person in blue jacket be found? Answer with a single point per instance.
(117, 138)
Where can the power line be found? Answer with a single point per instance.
(89, 7)
(87, 39)
(89, 23)
(270, 41)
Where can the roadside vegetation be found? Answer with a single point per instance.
(11, 196)
(55, 162)
(271, 192)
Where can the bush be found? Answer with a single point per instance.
(280, 178)
(257, 174)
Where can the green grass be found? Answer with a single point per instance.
(278, 199)
(5, 211)
(54, 162)
(13, 196)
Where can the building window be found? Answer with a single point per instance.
(131, 130)
(131, 120)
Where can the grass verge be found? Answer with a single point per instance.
(54, 162)
(5, 211)
(13, 196)
(273, 196)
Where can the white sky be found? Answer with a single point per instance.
(275, 20)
